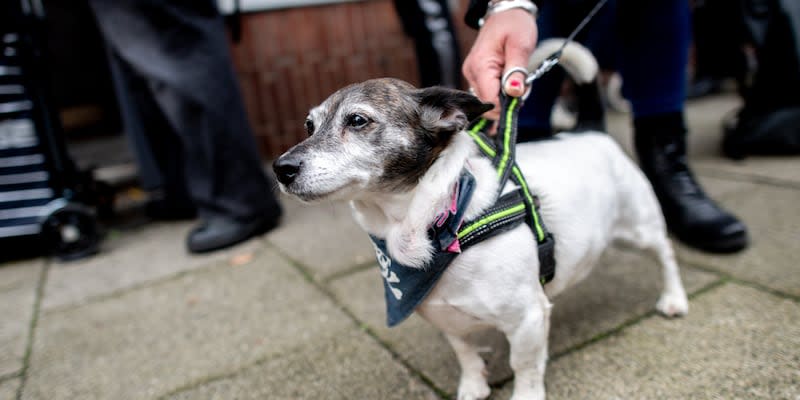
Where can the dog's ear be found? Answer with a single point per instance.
(448, 110)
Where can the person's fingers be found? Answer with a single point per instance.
(487, 88)
(505, 41)
(482, 71)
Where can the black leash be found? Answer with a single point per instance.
(514, 207)
(553, 60)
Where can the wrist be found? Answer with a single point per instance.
(499, 6)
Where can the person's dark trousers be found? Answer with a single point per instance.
(176, 54)
(430, 26)
(557, 19)
(719, 35)
(157, 148)
(652, 40)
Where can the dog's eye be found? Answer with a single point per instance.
(309, 127)
(357, 121)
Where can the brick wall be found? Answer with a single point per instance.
(290, 60)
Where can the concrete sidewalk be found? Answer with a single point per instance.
(298, 313)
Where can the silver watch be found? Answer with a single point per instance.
(496, 6)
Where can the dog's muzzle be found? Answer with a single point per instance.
(286, 168)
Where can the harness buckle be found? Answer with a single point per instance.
(547, 259)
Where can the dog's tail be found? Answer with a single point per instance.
(576, 59)
(582, 67)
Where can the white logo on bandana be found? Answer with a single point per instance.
(388, 275)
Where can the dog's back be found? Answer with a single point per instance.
(587, 174)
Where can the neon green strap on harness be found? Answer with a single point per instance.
(514, 207)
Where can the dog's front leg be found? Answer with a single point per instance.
(528, 340)
(472, 385)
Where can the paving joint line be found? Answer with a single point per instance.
(616, 330)
(713, 172)
(721, 279)
(303, 270)
(744, 282)
(349, 271)
(204, 269)
(10, 376)
(228, 374)
(634, 320)
(37, 307)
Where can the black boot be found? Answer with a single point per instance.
(690, 214)
(219, 232)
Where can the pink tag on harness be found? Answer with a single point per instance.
(454, 247)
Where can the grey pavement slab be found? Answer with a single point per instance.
(8, 389)
(625, 285)
(323, 237)
(350, 366)
(416, 341)
(18, 282)
(736, 343)
(129, 258)
(153, 340)
(771, 215)
(777, 169)
(704, 119)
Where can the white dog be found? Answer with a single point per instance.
(396, 153)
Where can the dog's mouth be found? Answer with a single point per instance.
(306, 195)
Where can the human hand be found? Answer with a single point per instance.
(505, 41)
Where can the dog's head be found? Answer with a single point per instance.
(379, 136)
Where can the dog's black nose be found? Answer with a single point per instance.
(286, 169)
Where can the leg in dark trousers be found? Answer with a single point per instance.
(557, 20)
(653, 42)
(179, 50)
(655, 39)
(430, 25)
(158, 149)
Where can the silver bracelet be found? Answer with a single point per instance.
(496, 6)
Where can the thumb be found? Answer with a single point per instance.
(517, 50)
(516, 54)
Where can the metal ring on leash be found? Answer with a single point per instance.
(551, 61)
(508, 73)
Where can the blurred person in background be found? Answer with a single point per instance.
(652, 39)
(719, 42)
(182, 109)
(429, 24)
(769, 121)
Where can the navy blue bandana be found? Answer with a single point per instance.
(406, 287)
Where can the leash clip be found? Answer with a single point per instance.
(546, 66)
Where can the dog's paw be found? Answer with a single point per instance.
(473, 389)
(532, 394)
(674, 304)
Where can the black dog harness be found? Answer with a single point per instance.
(405, 287)
(515, 206)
